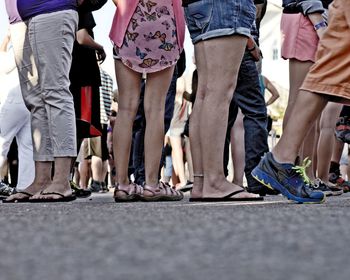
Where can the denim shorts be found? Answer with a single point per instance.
(207, 19)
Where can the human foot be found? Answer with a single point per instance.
(25, 194)
(238, 195)
(55, 191)
(127, 193)
(161, 192)
(221, 188)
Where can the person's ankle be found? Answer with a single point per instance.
(279, 158)
(61, 182)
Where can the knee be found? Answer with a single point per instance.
(128, 109)
(154, 112)
(219, 94)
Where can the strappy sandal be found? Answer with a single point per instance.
(162, 193)
(133, 195)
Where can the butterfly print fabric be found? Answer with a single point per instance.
(150, 42)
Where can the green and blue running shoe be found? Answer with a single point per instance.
(289, 179)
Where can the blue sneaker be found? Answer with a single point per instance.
(291, 180)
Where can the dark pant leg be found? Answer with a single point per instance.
(252, 104)
(233, 112)
(137, 164)
(345, 112)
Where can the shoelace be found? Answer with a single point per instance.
(301, 170)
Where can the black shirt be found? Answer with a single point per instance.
(85, 70)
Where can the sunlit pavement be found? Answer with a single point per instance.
(95, 238)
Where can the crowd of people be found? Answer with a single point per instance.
(151, 139)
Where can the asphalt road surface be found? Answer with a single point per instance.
(95, 238)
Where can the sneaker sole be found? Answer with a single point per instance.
(271, 183)
(336, 193)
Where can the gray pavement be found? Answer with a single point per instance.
(96, 238)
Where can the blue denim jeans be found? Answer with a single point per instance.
(207, 19)
(137, 164)
(250, 100)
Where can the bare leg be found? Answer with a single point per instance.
(60, 183)
(237, 150)
(97, 169)
(297, 73)
(327, 139)
(84, 174)
(288, 147)
(129, 94)
(337, 150)
(189, 158)
(178, 160)
(214, 114)
(195, 139)
(317, 136)
(308, 150)
(154, 104)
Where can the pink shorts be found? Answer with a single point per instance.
(299, 38)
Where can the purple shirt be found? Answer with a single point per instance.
(30, 8)
(11, 8)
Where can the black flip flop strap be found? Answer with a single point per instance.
(22, 192)
(234, 193)
(53, 193)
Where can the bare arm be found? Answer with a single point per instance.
(5, 43)
(253, 48)
(272, 89)
(317, 18)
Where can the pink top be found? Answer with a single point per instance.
(126, 9)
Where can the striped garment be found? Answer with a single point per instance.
(106, 96)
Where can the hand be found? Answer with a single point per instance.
(101, 55)
(254, 49)
(255, 52)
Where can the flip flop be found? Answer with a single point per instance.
(46, 200)
(19, 200)
(228, 198)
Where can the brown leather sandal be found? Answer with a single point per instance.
(162, 192)
(135, 194)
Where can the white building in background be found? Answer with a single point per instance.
(274, 67)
